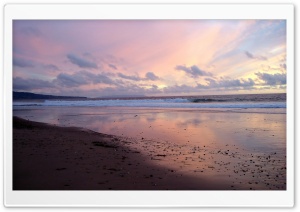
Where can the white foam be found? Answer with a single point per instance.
(155, 103)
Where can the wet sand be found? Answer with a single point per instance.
(150, 150)
(47, 157)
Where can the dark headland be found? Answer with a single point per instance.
(32, 96)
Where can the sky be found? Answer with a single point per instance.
(101, 58)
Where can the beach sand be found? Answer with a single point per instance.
(48, 157)
(148, 149)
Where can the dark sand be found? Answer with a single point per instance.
(47, 157)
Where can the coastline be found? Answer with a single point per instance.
(48, 157)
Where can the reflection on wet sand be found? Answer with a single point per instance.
(245, 150)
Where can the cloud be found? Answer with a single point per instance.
(283, 66)
(98, 78)
(272, 79)
(82, 78)
(67, 80)
(132, 77)
(113, 66)
(193, 71)
(31, 31)
(82, 63)
(22, 63)
(251, 56)
(248, 54)
(148, 76)
(224, 84)
(30, 84)
(129, 90)
(151, 76)
(180, 89)
(51, 67)
(228, 83)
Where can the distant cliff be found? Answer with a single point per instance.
(27, 95)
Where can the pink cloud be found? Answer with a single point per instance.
(137, 47)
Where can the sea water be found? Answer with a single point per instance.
(225, 101)
(163, 117)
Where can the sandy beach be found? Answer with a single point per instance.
(47, 157)
(151, 152)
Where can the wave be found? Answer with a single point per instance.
(207, 100)
(156, 103)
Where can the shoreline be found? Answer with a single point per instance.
(148, 151)
(48, 157)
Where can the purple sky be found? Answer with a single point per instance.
(148, 57)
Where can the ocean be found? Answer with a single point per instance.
(133, 116)
(212, 101)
